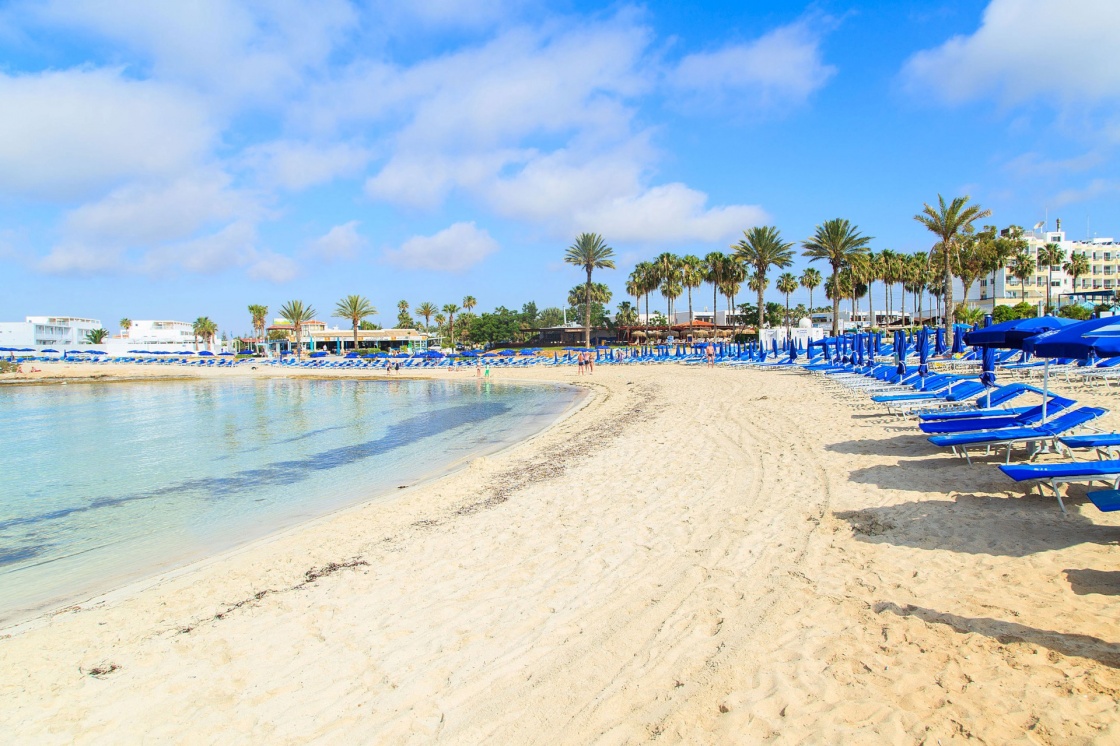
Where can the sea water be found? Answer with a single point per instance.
(102, 484)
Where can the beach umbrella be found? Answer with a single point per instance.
(923, 355)
(45, 351)
(1011, 334)
(792, 353)
(988, 369)
(507, 353)
(203, 353)
(958, 342)
(939, 342)
(225, 354)
(900, 352)
(774, 346)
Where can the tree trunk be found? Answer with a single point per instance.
(835, 300)
(714, 305)
(947, 278)
(690, 311)
(871, 304)
(761, 315)
(587, 311)
(355, 335)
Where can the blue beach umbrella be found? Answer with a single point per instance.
(923, 355)
(958, 339)
(900, 352)
(988, 367)
(1011, 334)
(792, 352)
(774, 346)
(939, 342)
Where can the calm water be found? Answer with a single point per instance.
(101, 484)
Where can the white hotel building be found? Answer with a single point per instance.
(144, 333)
(47, 331)
(1103, 278)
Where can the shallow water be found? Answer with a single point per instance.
(102, 484)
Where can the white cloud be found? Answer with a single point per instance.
(671, 213)
(144, 213)
(273, 267)
(1025, 49)
(70, 133)
(454, 249)
(1092, 190)
(784, 66)
(299, 165)
(340, 242)
(239, 51)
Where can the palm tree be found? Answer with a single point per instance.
(1022, 268)
(671, 290)
(948, 223)
(715, 267)
(259, 316)
(427, 310)
(837, 242)
(760, 249)
(126, 324)
(297, 314)
(1076, 267)
(864, 270)
(96, 336)
(734, 275)
(589, 252)
(451, 309)
(1049, 256)
(692, 275)
(666, 268)
(634, 287)
(971, 262)
(786, 284)
(440, 319)
(810, 280)
(357, 309)
(469, 303)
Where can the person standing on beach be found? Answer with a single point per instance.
(579, 363)
(711, 350)
(478, 369)
(590, 363)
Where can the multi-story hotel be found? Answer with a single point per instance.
(151, 332)
(46, 331)
(1097, 286)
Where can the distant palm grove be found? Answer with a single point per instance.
(916, 287)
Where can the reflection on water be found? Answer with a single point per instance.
(109, 482)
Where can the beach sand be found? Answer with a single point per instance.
(698, 556)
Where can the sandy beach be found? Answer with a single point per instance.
(695, 556)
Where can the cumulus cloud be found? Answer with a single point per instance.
(782, 67)
(298, 165)
(339, 243)
(454, 249)
(1025, 49)
(68, 134)
(240, 52)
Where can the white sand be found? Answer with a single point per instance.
(699, 556)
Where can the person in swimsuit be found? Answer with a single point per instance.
(579, 362)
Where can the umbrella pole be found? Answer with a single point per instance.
(1045, 387)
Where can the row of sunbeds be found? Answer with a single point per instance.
(956, 412)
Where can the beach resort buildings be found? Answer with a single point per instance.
(47, 331)
(1096, 287)
(151, 332)
(317, 336)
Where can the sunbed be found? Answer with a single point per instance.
(1056, 475)
(1028, 418)
(1009, 436)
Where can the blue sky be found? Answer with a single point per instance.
(178, 160)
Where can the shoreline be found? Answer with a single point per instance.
(692, 556)
(85, 599)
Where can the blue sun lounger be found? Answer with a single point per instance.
(1009, 436)
(985, 405)
(976, 424)
(1056, 475)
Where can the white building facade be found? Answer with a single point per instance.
(1103, 278)
(47, 331)
(147, 332)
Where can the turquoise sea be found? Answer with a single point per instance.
(106, 483)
